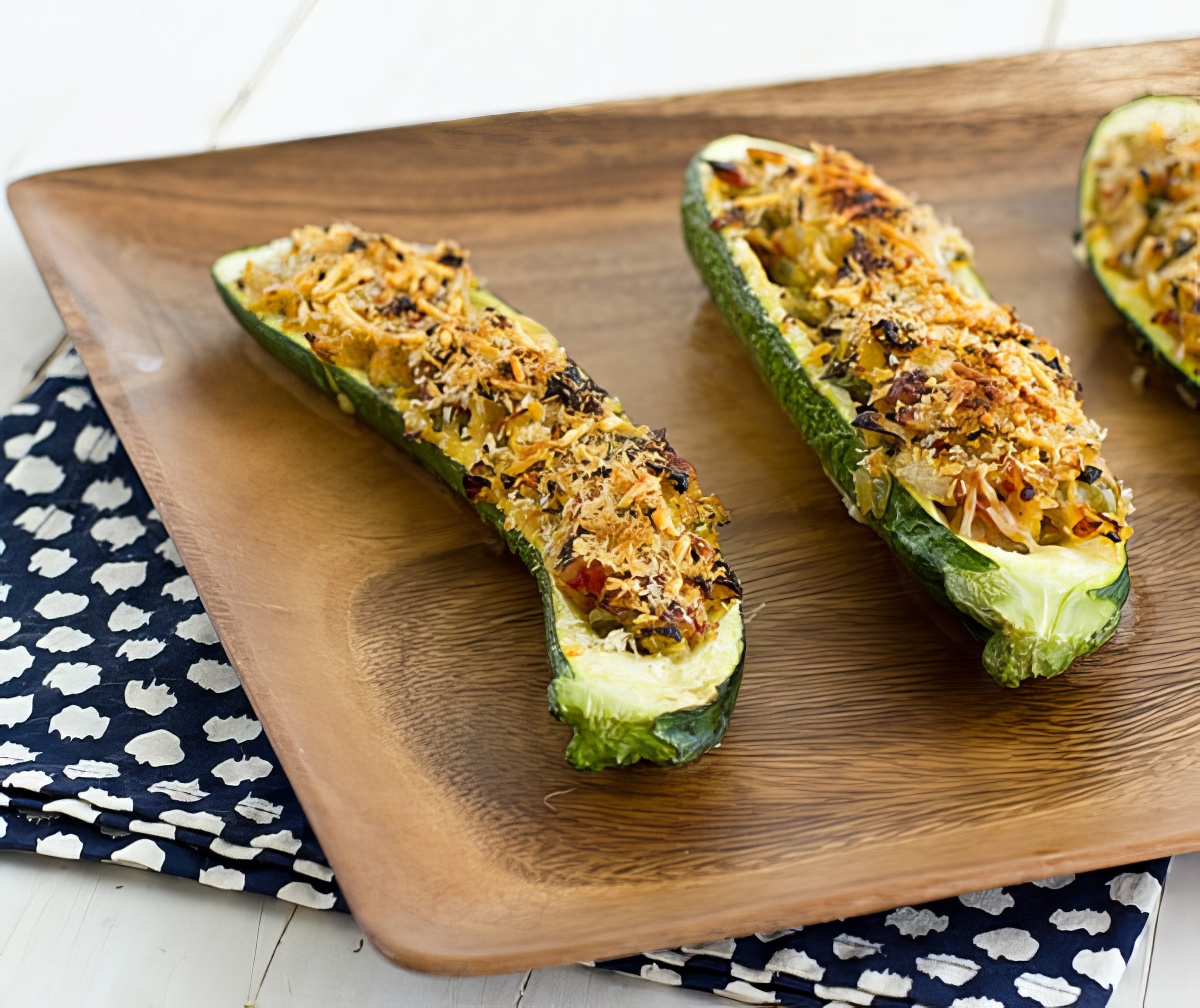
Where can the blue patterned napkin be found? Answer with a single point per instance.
(124, 731)
(125, 736)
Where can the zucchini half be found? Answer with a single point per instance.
(1036, 612)
(1171, 112)
(623, 707)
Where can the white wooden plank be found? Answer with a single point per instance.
(29, 325)
(85, 82)
(1174, 976)
(323, 960)
(1111, 22)
(105, 936)
(81, 933)
(114, 81)
(131, 938)
(583, 987)
(273, 920)
(476, 57)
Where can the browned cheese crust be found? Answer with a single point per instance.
(956, 397)
(620, 519)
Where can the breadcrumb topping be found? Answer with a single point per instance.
(956, 398)
(1148, 206)
(620, 519)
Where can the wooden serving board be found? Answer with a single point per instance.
(394, 650)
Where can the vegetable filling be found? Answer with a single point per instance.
(619, 518)
(1148, 206)
(954, 397)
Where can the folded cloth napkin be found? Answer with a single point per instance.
(124, 732)
(125, 736)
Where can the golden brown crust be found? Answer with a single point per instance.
(956, 397)
(620, 519)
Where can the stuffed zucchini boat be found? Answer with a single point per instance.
(1139, 220)
(948, 425)
(643, 627)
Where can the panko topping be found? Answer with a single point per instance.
(955, 397)
(620, 520)
(1148, 206)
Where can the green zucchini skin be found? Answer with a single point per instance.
(956, 575)
(1152, 336)
(598, 742)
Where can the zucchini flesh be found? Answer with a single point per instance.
(1035, 611)
(622, 706)
(1174, 114)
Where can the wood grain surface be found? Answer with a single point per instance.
(392, 648)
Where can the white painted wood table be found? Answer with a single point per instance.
(86, 935)
(85, 82)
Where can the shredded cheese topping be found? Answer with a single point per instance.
(618, 517)
(1148, 206)
(955, 397)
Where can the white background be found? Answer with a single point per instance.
(82, 82)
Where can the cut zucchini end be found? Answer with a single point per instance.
(1011, 658)
(1173, 112)
(627, 707)
(1041, 610)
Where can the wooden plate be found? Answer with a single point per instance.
(393, 649)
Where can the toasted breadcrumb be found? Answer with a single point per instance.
(619, 518)
(956, 398)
